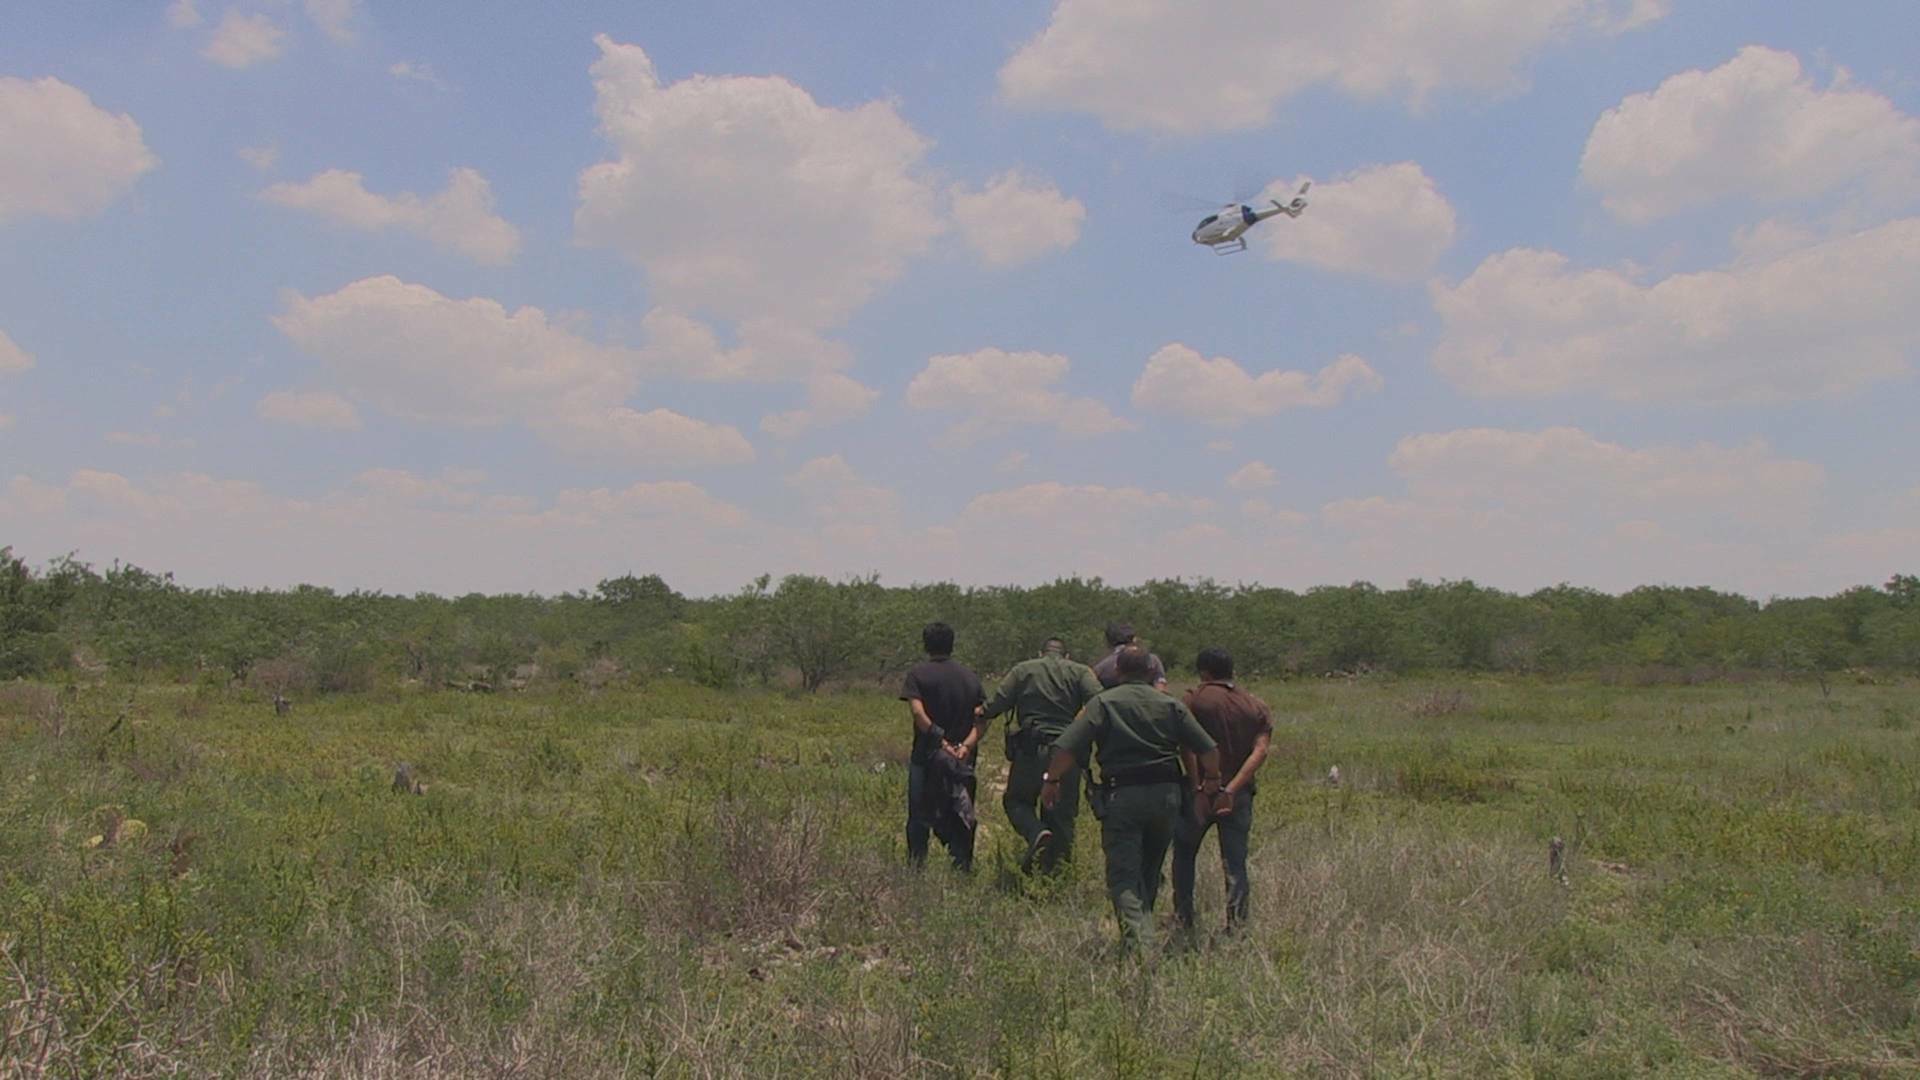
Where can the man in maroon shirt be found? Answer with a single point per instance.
(1242, 726)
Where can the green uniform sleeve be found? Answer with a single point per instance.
(1003, 698)
(1089, 684)
(1079, 735)
(1188, 731)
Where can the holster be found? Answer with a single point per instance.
(1097, 794)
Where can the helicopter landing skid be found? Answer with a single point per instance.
(1231, 247)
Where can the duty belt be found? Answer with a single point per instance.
(1165, 772)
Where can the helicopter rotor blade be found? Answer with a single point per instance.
(1179, 202)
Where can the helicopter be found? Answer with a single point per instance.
(1226, 232)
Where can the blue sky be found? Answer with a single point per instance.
(484, 297)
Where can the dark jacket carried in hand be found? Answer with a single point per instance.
(947, 799)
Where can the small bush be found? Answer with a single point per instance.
(37, 705)
(599, 674)
(281, 674)
(1447, 780)
(1435, 703)
(749, 869)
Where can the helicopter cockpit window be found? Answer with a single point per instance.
(1208, 220)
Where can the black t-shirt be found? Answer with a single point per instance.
(948, 690)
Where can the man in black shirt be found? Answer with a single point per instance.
(941, 695)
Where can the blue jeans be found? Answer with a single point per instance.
(1234, 832)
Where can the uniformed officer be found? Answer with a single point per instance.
(1137, 734)
(1044, 694)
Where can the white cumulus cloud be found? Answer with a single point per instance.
(660, 437)
(1253, 476)
(847, 510)
(745, 198)
(385, 529)
(1758, 128)
(423, 356)
(1820, 319)
(148, 440)
(308, 409)
(1169, 67)
(426, 357)
(242, 40)
(832, 398)
(994, 390)
(1385, 221)
(1040, 531)
(334, 18)
(1528, 508)
(1089, 506)
(417, 72)
(1569, 467)
(12, 356)
(1177, 379)
(1015, 218)
(61, 155)
(260, 157)
(460, 218)
(687, 348)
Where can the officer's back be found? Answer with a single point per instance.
(1047, 690)
(1136, 728)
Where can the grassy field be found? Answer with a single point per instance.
(674, 881)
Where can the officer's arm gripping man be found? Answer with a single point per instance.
(1002, 699)
(1077, 739)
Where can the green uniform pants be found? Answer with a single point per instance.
(1031, 751)
(1135, 834)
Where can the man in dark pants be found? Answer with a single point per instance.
(1242, 726)
(1045, 694)
(1137, 734)
(1107, 669)
(942, 696)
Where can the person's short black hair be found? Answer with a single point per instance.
(938, 638)
(1214, 663)
(1119, 633)
(1053, 644)
(1133, 663)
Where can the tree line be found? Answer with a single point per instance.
(68, 618)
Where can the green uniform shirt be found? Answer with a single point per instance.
(1045, 692)
(1132, 726)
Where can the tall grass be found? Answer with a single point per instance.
(683, 882)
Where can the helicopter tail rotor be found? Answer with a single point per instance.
(1299, 202)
